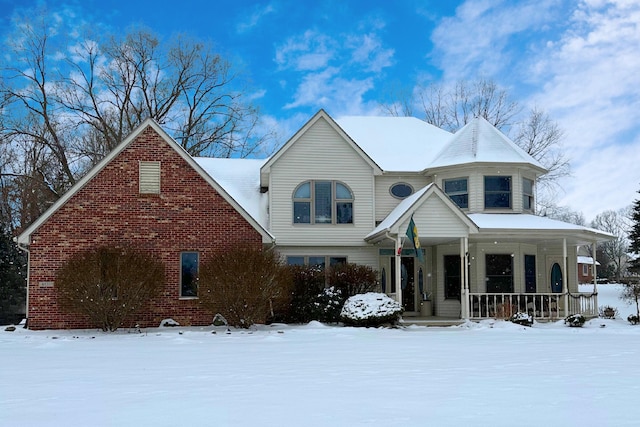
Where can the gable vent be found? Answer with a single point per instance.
(149, 177)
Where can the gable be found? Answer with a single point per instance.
(150, 145)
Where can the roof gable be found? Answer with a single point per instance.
(320, 115)
(481, 142)
(24, 237)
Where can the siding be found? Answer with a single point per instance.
(435, 219)
(385, 202)
(320, 154)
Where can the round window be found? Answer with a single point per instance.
(401, 190)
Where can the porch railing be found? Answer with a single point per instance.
(542, 306)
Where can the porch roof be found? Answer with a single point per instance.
(535, 228)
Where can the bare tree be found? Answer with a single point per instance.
(67, 102)
(616, 223)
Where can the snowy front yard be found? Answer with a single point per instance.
(488, 374)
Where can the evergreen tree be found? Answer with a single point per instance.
(12, 279)
(634, 236)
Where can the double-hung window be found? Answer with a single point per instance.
(322, 202)
(497, 192)
(527, 194)
(457, 190)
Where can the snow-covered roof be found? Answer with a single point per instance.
(586, 260)
(480, 142)
(519, 221)
(396, 143)
(240, 178)
(398, 211)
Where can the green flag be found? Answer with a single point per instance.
(412, 234)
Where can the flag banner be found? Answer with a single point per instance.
(412, 234)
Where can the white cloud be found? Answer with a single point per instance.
(309, 51)
(251, 21)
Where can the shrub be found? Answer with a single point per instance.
(246, 285)
(352, 279)
(308, 282)
(327, 305)
(633, 319)
(575, 320)
(608, 312)
(108, 284)
(370, 309)
(522, 319)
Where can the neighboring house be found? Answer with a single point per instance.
(586, 269)
(336, 192)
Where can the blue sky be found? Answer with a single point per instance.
(579, 60)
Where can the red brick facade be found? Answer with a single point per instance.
(187, 215)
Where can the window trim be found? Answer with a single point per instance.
(585, 269)
(457, 193)
(335, 201)
(487, 192)
(181, 289)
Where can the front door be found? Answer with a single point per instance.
(407, 280)
(556, 278)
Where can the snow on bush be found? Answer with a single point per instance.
(370, 309)
(575, 320)
(520, 318)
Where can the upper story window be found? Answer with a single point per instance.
(322, 202)
(527, 194)
(401, 190)
(457, 190)
(497, 192)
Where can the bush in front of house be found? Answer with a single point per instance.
(246, 285)
(308, 282)
(352, 279)
(575, 320)
(608, 312)
(370, 309)
(109, 284)
(521, 318)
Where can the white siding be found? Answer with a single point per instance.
(320, 154)
(385, 202)
(435, 219)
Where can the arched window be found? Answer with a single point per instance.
(322, 202)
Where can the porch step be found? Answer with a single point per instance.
(431, 321)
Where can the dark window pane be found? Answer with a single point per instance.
(452, 278)
(344, 213)
(530, 273)
(302, 212)
(323, 202)
(295, 260)
(497, 200)
(499, 270)
(497, 183)
(455, 186)
(337, 260)
(189, 274)
(401, 190)
(317, 261)
(462, 201)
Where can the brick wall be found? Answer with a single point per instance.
(188, 215)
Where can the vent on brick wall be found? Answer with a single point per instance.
(149, 177)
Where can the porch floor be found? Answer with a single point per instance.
(431, 321)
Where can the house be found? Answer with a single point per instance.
(586, 269)
(337, 191)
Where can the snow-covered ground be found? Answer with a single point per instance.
(488, 374)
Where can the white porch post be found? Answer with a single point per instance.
(565, 282)
(398, 277)
(464, 262)
(595, 272)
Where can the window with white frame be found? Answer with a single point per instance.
(497, 192)
(458, 191)
(527, 194)
(322, 202)
(585, 269)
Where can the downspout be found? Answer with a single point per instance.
(595, 276)
(565, 282)
(26, 303)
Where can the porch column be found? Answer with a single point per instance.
(595, 272)
(565, 282)
(398, 277)
(464, 262)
